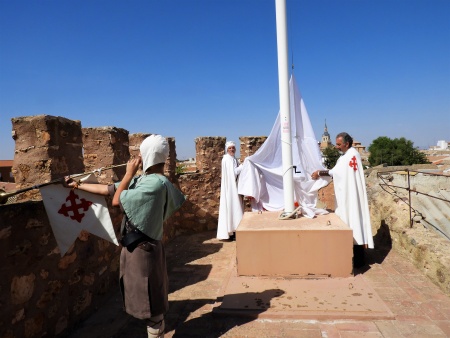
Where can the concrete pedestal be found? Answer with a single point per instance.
(267, 246)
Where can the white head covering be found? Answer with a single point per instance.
(154, 149)
(229, 144)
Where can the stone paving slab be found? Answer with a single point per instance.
(199, 264)
(301, 298)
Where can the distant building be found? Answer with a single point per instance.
(441, 145)
(326, 139)
(326, 142)
(439, 154)
(6, 171)
(358, 146)
(188, 165)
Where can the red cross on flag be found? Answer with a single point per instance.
(70, 211)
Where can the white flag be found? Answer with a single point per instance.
(70, 211)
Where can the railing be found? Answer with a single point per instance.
(386, 176)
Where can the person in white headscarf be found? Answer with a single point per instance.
(147, 201)
(231, 207)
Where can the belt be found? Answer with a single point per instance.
(134, 238)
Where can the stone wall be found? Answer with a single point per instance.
(201, 210)
(46, 148)
(390, 212)
(106, 147)
(43, 293)
(249, 145)
(209, 154)
(46, 294)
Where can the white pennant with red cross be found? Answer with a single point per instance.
(71, 211)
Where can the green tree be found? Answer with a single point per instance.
(331, 155)
(180, 169)
(398, 151)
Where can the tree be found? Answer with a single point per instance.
(180, 169)
(331, 155)
(398, 151)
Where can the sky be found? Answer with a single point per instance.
(195, 68)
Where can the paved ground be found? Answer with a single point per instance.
(199, 265)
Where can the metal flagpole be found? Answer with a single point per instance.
(285, 118)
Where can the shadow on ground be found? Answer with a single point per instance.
(181, 252)
(217, 322)
(182, 255)
(383, 245)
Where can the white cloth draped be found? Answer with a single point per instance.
(231, 208)
(351, 197)
(262, 173)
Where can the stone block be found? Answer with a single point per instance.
(104, 147)
(209, 152)
(267, 246)
(46, 148)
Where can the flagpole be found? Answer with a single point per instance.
(285, 118)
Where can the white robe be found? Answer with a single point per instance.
(231, 207)
(351, 197)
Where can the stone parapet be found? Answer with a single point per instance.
(104, 147)
(135, 141)
(44, 294)
(209, 152)
(47, 148)
(201, 209)
(249, 145)
(422, 242)
(171, 162)
(326, 198)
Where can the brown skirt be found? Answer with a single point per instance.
(144, 281)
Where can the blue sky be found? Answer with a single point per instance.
(191, 68)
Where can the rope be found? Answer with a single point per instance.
(98, 171)
(289, 215)
(5, 197)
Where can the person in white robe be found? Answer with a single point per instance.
(350, 193)
(231, 207)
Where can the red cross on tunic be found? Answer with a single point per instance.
(76, 205)
(353, 163)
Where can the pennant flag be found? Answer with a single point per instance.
(70, 211)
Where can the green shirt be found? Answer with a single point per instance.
(149, 201)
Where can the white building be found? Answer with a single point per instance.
(442, 145)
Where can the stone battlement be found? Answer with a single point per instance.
(47, 293)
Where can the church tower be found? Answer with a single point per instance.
(326, 140)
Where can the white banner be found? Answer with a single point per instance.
(70, 211)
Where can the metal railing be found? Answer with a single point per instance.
(386, 176)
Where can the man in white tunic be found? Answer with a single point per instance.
(351, 197)
(231, 207)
